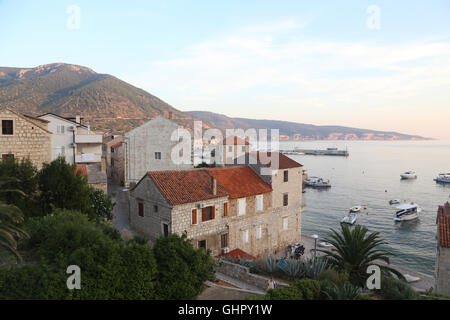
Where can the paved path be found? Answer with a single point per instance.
(120, 212)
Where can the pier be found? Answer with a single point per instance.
(318, 152)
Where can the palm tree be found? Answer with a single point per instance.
(10, 217)
(354, 252)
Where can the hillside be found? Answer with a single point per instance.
(300, 131)
(68, 90)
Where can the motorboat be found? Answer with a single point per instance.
(316, 182)
(325, 245)
(407, 212)
(443, 178)
(350, 218)
(394, 201)
(409, 175)
(355, 209)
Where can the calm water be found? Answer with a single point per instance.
(363, 178)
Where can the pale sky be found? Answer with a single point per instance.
(382, 65)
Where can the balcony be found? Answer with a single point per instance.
(88, 138)
(88, 158)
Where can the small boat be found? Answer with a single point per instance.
(394, 201)
(443, 178)
(324, 244)
(409, 278)
(316, 182)
(409, 175)
(355, 209)
(350, 218)
(407, 212)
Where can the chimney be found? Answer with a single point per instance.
(78, 119)
(170, 115)
(213, 185)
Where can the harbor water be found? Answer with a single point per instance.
(370, 176)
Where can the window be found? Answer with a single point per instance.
(208, 213)
(285, 199)
(60, 129)
(63, 151)
(286, 176)
(258, 232)
(243, 148)
(7, 127)
(245, 236)
(230, 148)
(155, 208)
(225, 209)
(285, 223)
(259, 202)
(112, 150)
(165, 229)
(141, 209)
(194, 216)
(241, 206)
(224, 240)
(158, 155)
(7, 156)
(213, 153)
(112, 162)
(202, 244)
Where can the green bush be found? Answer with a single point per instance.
(287, 293)
(338, 278)
(392, 289)
(310, 289)
(182, 269)
(110, 269)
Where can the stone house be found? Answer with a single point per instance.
(115, 160)
(234, 147)
(442, 265)
(149, 147)
(23, 136)
(221, 209)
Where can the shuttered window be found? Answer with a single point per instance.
(245, 236)
(194, 216)
(208, 213)
(258, 232)
(241, 206)
(225, 209)
(259, 202)
(141, 209)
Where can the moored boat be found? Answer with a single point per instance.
(350, 218)
(407, 212)
(316, 182)
(355, 209)
(394, 201)
(409, 175)
(443, 178)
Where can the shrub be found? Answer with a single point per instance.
(287, 293)
(310, 289)
(313, 270)
(270, 264)
(182, 269)
(338, 278)
(347, 291)
(392, 289)
(294, 268)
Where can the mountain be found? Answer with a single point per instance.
(299, 131)
(69, 90)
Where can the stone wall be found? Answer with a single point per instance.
(243, 274)
(28, 140)
(443, 271)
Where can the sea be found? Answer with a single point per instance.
(370, 176)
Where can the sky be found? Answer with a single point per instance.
(382, 65)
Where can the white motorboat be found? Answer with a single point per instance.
(394, 201)
(409, 175)
(443, 178)
(317, 182)
(407, 212)
(355, 209)
(324, 244)
(350, 218)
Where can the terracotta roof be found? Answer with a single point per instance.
(235, 141)
(443, 222)
(185, 186)
(240, 181)
(284, 162)
(82, 169)
(236, 253)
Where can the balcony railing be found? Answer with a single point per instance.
(88, 158)
(88, 138)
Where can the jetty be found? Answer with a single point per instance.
(317, 152)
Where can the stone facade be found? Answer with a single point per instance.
(149, 148)
(30, 138)
(115, 160)
(442, 265)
